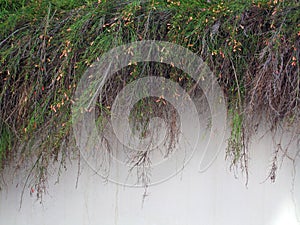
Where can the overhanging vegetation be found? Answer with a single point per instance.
(252, 47)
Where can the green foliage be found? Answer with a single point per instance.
(46, 45)
(5, 142)
(235, 148)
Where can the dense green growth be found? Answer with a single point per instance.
(251, 46)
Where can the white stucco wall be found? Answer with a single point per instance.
(214, 197)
